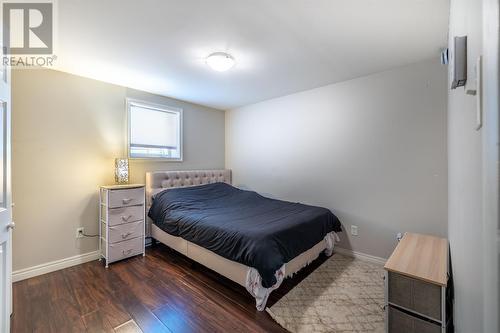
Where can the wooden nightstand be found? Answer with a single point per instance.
(121, 219)
(416, 286)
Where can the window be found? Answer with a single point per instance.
(154, 131)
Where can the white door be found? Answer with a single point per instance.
(6, 224)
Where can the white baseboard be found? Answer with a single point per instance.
(359, 255)
(56, 265)
(52, 266)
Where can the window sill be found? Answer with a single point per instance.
(155, 159)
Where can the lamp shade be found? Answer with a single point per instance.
(121, 170)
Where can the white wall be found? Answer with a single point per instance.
(465, 177)
(372, 149)
(67, 130)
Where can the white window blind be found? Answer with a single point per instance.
(154, 131)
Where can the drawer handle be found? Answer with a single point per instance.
(126, 235)
(126, 218)
(126, 252)
(126, 201)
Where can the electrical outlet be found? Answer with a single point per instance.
(79, 232)
(354, 230)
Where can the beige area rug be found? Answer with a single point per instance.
(342, 295)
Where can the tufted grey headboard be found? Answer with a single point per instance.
(157, 181)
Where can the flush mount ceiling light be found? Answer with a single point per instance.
(220, 61)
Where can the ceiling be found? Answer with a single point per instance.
(281, 46)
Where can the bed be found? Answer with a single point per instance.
(252, 240)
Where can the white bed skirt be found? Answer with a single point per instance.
(246, 276)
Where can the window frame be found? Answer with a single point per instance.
(159, 107)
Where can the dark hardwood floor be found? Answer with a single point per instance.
(162, 292)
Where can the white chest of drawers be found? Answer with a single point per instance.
(121, 220)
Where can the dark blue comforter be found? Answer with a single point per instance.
(242, 226)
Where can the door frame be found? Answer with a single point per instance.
(6, 223)
(491, 134)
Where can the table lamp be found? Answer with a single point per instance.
(121, 170)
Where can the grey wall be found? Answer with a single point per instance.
(67, 130)
(465, 178)
(372, 149)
